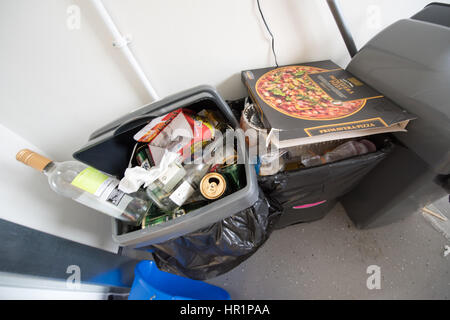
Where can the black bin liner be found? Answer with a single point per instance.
(308, 194)
(212, 251)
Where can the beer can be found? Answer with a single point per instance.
(213, 186)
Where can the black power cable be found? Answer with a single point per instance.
(270, 32)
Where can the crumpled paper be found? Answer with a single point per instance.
(137, 176)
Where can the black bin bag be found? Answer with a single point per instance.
(212, 251)
(308, 194)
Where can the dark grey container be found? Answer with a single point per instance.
(409, 63)
(110, 147)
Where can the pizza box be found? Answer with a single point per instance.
(319, 101)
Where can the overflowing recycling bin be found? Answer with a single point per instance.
(203, 238)
(116, 145)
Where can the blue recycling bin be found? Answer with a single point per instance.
(150, 283)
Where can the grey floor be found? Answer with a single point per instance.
(328, 259)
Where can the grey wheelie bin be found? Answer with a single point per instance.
(109, 149)
(409, 62)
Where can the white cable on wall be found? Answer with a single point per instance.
(122, 42)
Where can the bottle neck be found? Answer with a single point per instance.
(49, 168)
(33, 159)
(198, 171)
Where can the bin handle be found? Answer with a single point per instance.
(132, 123)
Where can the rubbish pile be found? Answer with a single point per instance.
(183, 161)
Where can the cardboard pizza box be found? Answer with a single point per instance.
(319, 101)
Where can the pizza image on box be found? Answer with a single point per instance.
(291, 91)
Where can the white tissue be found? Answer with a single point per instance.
(135, 177)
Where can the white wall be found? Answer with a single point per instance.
(58, 85)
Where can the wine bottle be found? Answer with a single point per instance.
(89, 186)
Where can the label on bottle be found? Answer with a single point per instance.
(115, 196)
(92, 181)
(112, 209)
(119, 198)
(182, 193)
(146, 164)
(171, 176)
(104, 187)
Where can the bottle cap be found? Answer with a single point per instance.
(213, 186)
(32, 159)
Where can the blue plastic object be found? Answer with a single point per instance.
(150, 283)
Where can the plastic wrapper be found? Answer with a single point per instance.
(251, 123)
(295, 153)
(346, 150)
(217, 249)
(271, 163)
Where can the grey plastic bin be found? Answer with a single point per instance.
(110, 147)
(409, 63)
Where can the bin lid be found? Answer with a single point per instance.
(409, 62)
(435, 12)
(181, 98)
(109, 148)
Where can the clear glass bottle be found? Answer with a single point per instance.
(89, 186)
(176, 185)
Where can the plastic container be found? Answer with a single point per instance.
(109, 149)
(152, 284)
